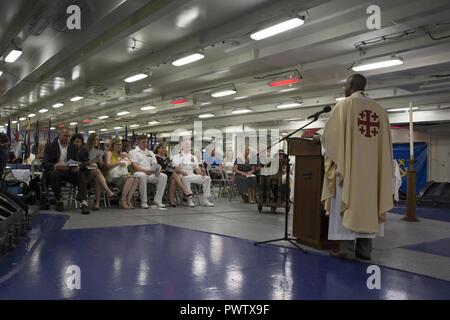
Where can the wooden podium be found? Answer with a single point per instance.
(310, 224)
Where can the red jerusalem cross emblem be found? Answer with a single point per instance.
(368, 123)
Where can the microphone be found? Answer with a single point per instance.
(316, 115)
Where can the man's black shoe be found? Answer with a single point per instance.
(84, 210)
(59, 206)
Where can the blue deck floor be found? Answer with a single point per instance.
(164, 262)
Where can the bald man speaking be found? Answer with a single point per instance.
(357, 188)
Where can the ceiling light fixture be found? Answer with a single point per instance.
(73, 123)
(14, 122)
(1, 72)
(188, 59)
(284, 82)
(117, 128)
(289, 105)
(205, 103)
(13, 55)
(58, 105)
(43, 110)
(136, 77)
(77, 98)
(241, 111)
(134, 126)
(52, 128)
(148, 108)
(366, 66)
(92, 131)
(278, 28)
(153, 122)
(103, 117)
(240, 98)
(206, 115)
(122, 113)
(178, 101)
(103, 130)
(31, 115)
(223, 92)
(22, 119)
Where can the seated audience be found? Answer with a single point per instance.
(117, 163)
(174, 178)
(78, 152)
(245, 178)
(95, 153)
(147, 170)
(214, 164)
(57, 170)
(188, 167)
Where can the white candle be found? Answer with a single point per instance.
(411, 140)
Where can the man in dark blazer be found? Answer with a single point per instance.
(56, 170)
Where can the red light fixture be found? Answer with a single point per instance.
(86, 121)
(178, 101)
(284, 82)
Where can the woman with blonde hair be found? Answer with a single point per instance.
(173, 177)
(94, 151)
(117, 163)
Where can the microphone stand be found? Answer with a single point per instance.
(286, 236)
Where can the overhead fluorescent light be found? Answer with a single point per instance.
(58, 105)
(223, 93)
(136, 77)
(178, 101)
(340, 98)
(1, 72)
(14, 122)
(148, 108)
(278, 28)
(77, 98)
(153, 122)
(287, 90)
(284, 82)
(22, 119)
(43, 110)
(92, 131)
(188, 59)
(205, 103)
(240, 111)
(52, 128)
(134, 126)
(240, 98)
(73, 123)
(13, 55)
(401, 109)
(122, 113)
(103, 117)
(289, 105)
(206, 115)
(103, 130)
(366, 66)
(117, 128)
(31, 115)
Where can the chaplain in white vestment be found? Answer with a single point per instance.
(357, 189)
